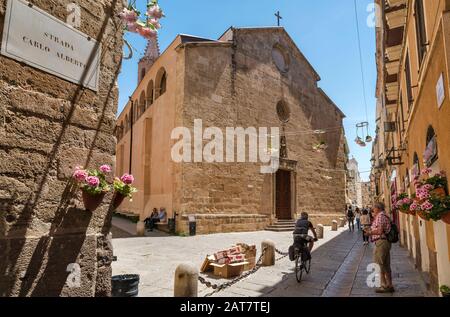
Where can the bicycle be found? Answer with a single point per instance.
(302, 258)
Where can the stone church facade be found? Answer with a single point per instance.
(249, 77)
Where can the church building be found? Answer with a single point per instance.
(249, 77)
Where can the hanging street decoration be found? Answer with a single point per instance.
(362, 134)
(130, 16)
(320, 147)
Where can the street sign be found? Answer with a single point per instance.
(38, 39)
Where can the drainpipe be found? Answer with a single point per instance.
(131, 134)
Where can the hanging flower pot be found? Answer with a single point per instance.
(122, 187)
(438, 192)
(446, 217)
(93, 185)
(91, 202)
(118, 199)
(422, 215)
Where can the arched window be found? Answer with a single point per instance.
(150, 91)
(142, 101)
(161, 82)
(431, 151)
(415, 170)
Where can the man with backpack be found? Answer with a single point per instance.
(350, 219)
(383, 233)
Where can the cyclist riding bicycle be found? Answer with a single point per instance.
(301, 231)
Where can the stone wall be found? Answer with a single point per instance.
(49, 126)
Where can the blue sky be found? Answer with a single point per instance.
(324, 30)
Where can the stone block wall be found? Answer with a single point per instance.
(48, 126)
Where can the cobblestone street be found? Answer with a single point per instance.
(339, 265)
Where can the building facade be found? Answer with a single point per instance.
(354, 188)
(366, 194)
(249, 77)
(413, 116)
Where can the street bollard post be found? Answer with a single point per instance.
(140, 229)
(319, 231)
(186, 281)
(269, 255)
(334, 225)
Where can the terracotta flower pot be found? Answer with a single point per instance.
(422, 215)
(91, 202)
(438, 192)
(446, 217)
(118, 199)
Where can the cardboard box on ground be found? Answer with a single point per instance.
(231, 262)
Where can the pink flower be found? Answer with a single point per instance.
(155, 11)
(132, 27)
(105, 168)
(148, 33)
(428, 187)
(80, 175)
(93, 181)
(427, 206)
(127, 179)
(414, 207)
(426, 171)
(423, 193)
(128, 16)
(155, 23)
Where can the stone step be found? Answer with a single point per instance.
(275, 229)
(286, 221)
(280, 225)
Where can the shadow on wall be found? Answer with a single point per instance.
(61, 245)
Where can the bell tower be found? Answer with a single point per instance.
(150, 56)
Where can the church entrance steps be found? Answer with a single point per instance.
(282, 226)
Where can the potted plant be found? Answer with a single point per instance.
(403, 203)
(93, 185)
(431, 200)
(445, 291)
(437, 183)
(122, 189)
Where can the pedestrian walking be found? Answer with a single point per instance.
(351, 218)
(365, 224)
(382, 253)
(357, 218)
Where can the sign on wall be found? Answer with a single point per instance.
(33, 36)
(440, 91)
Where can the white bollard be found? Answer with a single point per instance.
(319, 231)
(334, 225)
(269, 255)
(186, 281)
